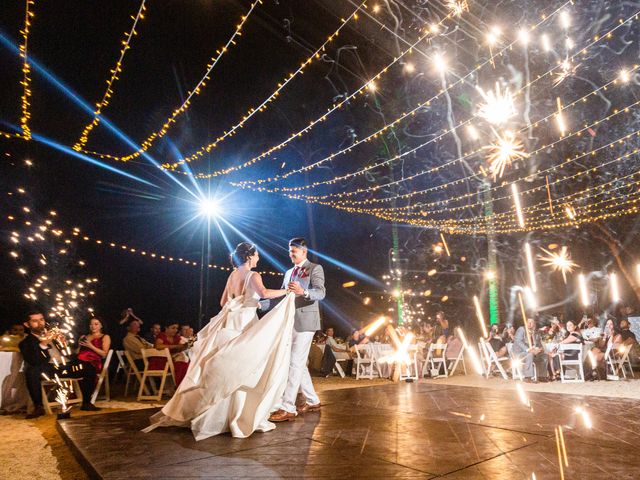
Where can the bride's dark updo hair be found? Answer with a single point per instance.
(241, 254)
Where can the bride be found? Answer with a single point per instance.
(239, 364)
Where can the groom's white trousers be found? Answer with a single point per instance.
(299, 378)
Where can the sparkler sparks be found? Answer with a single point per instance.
(530, 267)
(503, 153)
(498, 106)
(567, 69)
(480, 316)
(475, 360)
(559, 262)
(457, 7)
(516, 201)
(584, 292)
(562, 125)
(613, 285)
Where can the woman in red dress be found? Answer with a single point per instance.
(95, 346)
(173, 341)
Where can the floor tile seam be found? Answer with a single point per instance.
(486, 460)
(381, 460)
(236, 451)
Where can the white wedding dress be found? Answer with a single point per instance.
(237, 373)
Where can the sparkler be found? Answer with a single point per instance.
(477, 364)
(503, 153)
(522, 394)
(374, 326)
(560, 262)
(584, 293)
(585, 417)
(444, 242)
(476, 302)
(570, 212)
(546, 178)
(530, 267)
(546, 45)
(498, 106)
(531, 298)
(562, 126)
(516, 201)
(613, 284)
(473, 133)
(524, 319)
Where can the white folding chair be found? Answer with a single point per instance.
(516, 365)
(364, 362)
(166, 371)
(563, 349)
(131, 370)
(453, 362)
(409, 370)
(618, 361)
(122, 365)
(341, 357)
(103, 378)
(72, 383)
(383, 368)
(435, 361)
(493, 359)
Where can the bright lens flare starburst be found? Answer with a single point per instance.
(498, 106)
(559, 262)
(503, 152)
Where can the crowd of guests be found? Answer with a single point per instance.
(543, 364)
(47, 354)
(423, 334)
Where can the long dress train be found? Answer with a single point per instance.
(237, 373)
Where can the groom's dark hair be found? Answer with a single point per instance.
(299, 242)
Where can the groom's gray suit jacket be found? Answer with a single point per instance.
(311, 278)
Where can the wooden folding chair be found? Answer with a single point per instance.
(364, 362)
(563, 348)
(131, 370)
(163, 373)
(493, 359)
(73, 383)
(103, 377)
(435, 361)
(122, 365)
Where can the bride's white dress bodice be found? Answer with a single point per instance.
(242, 309)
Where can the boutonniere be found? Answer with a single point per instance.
(305, 273)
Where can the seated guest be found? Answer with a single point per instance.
(441, 332)
(425, 334)
(12, 338)
(610, 337)
(134, 343)
(153, 333)
(626, 335)
(573, 336)
(330, 341)
(171, 340)
(496, 341)
(95, 346)
(16, 330)
(186, 333)
(38, 349)
(509, 333)
(530, 355)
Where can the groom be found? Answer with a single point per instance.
(306, 280)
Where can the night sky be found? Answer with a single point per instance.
(74, 44)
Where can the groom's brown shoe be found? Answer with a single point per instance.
(282, 416)
(306, 408)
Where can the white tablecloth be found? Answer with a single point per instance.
(13, 387)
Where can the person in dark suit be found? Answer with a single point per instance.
(36, 349)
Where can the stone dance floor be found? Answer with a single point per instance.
(414, 430)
